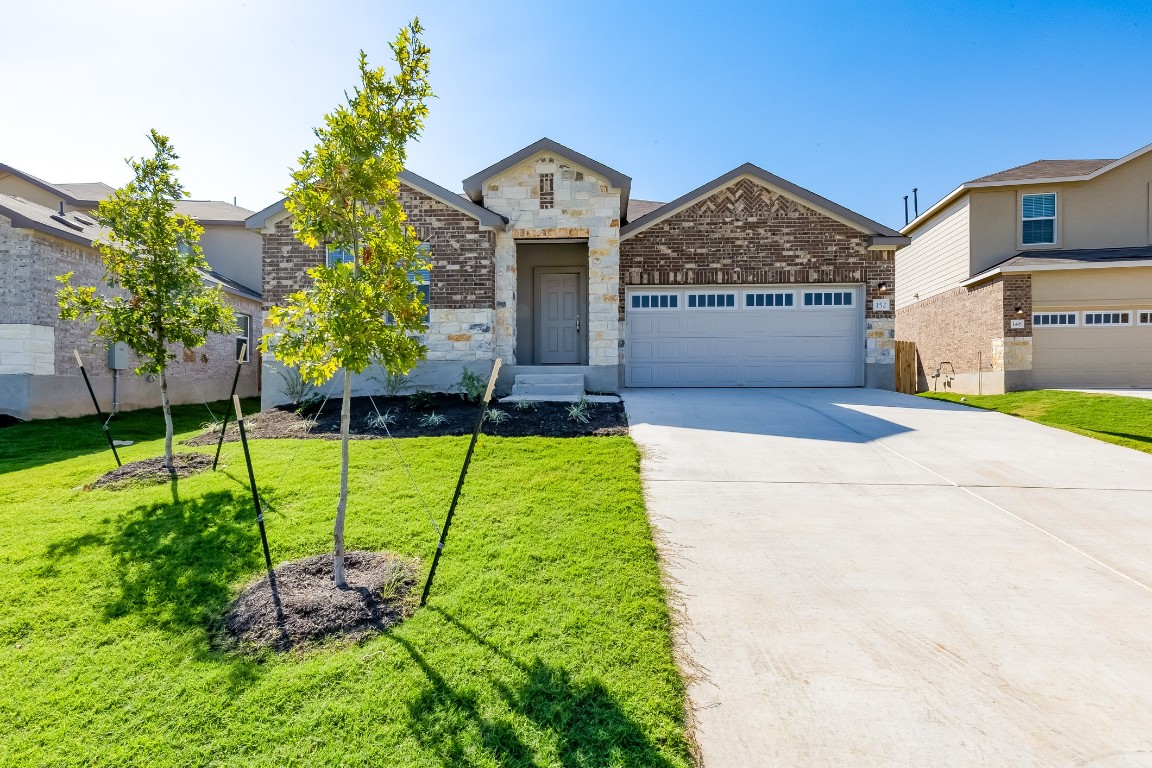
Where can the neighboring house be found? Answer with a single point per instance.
(545, 262)
(1039, 276)
(47, 230)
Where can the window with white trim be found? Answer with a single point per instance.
(1107, 318)
(1144, 317)
(711, 300)
(769, 299)
(1050, 319)
(243, 337)
(827, 298)
(654, 301)
(1038, 219)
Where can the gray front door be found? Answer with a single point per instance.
(559, 319)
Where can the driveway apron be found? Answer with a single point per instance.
(872, 579)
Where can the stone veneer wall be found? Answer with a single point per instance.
(971, 328)
(749, 234)
(36, 347)
(585, 206)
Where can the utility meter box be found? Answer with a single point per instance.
(119, 356)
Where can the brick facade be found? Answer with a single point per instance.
(463, 256)
(748, 234)
(971, 328)
(30, 315)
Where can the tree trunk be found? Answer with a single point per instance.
(168, 460)
(338, 529)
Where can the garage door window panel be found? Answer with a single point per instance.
(773, 299)
(1054, 319)
(1144, 317)
(642, 301)
(1107, 318)
(828, 298)
(711, 301)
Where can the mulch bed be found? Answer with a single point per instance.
(154, 470)
(410, 418)
(380, 594)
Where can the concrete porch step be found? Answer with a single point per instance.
(566, 387)
(561, 398)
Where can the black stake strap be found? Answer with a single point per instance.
(460, 482)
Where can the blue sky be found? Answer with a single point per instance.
(857, 101)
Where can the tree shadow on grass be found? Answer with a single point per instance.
(588, 729)
(175, 562)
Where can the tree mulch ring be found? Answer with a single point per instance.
(380, 594)
(428, 415)
(154, 470)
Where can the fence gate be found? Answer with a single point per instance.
(906, 367)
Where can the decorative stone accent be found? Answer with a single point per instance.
(27, 349)
(584, 207)
(1011, 354)
(880, 344)
(460, 335)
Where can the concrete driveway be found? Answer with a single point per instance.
(873, 579)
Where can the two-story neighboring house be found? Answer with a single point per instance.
(546, 262)
(1036, 277)
(46, 230)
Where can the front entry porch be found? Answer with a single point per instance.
(552, 304)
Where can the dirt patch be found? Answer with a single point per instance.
(380, 594)
(429, 416)
(154, 470)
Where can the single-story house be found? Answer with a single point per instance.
(546, 262)
(1039, 276)
(47, 230)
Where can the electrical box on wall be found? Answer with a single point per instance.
(119, 356)
(881, 305)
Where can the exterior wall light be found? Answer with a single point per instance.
(1019, 310)
(883, 287)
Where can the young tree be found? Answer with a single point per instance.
(345, 195)
(152, 255)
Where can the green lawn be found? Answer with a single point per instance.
(1115, 419)
(546, 642)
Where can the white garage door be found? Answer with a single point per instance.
(804, 336)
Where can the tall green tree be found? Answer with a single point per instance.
(152, 258)
(345, 195)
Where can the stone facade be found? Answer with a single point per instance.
(971, 328)
(583, 206)
(748, 234)
(38, 370)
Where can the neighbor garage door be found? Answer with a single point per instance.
(804, 336)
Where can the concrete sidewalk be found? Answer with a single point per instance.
(872, 579)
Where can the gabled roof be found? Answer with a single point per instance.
(213, 212)
(1045, 169)
(638, 208)
(277, 211)
(72, 226)
(474, 184)
(880, 234)
(1037, 172)
(80, 194)
(77, 227)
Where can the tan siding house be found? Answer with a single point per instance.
(1067, 247)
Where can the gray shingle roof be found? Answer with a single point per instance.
(1045, 169)
(1078, 256)
(205, 211)
(86, 190)
(638, 208)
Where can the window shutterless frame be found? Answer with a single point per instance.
(244, 336)
(1038, 219)
(1055, 319)
(1107, 318)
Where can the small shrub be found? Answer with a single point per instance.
(421, 400)
(526, 405)
(471, 385)
(299, 391)
(392, 383)
(578, 411)
(432, 419)
(496, 416)
(211, 427)
(381, 420)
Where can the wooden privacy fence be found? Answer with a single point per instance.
(906, 367)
